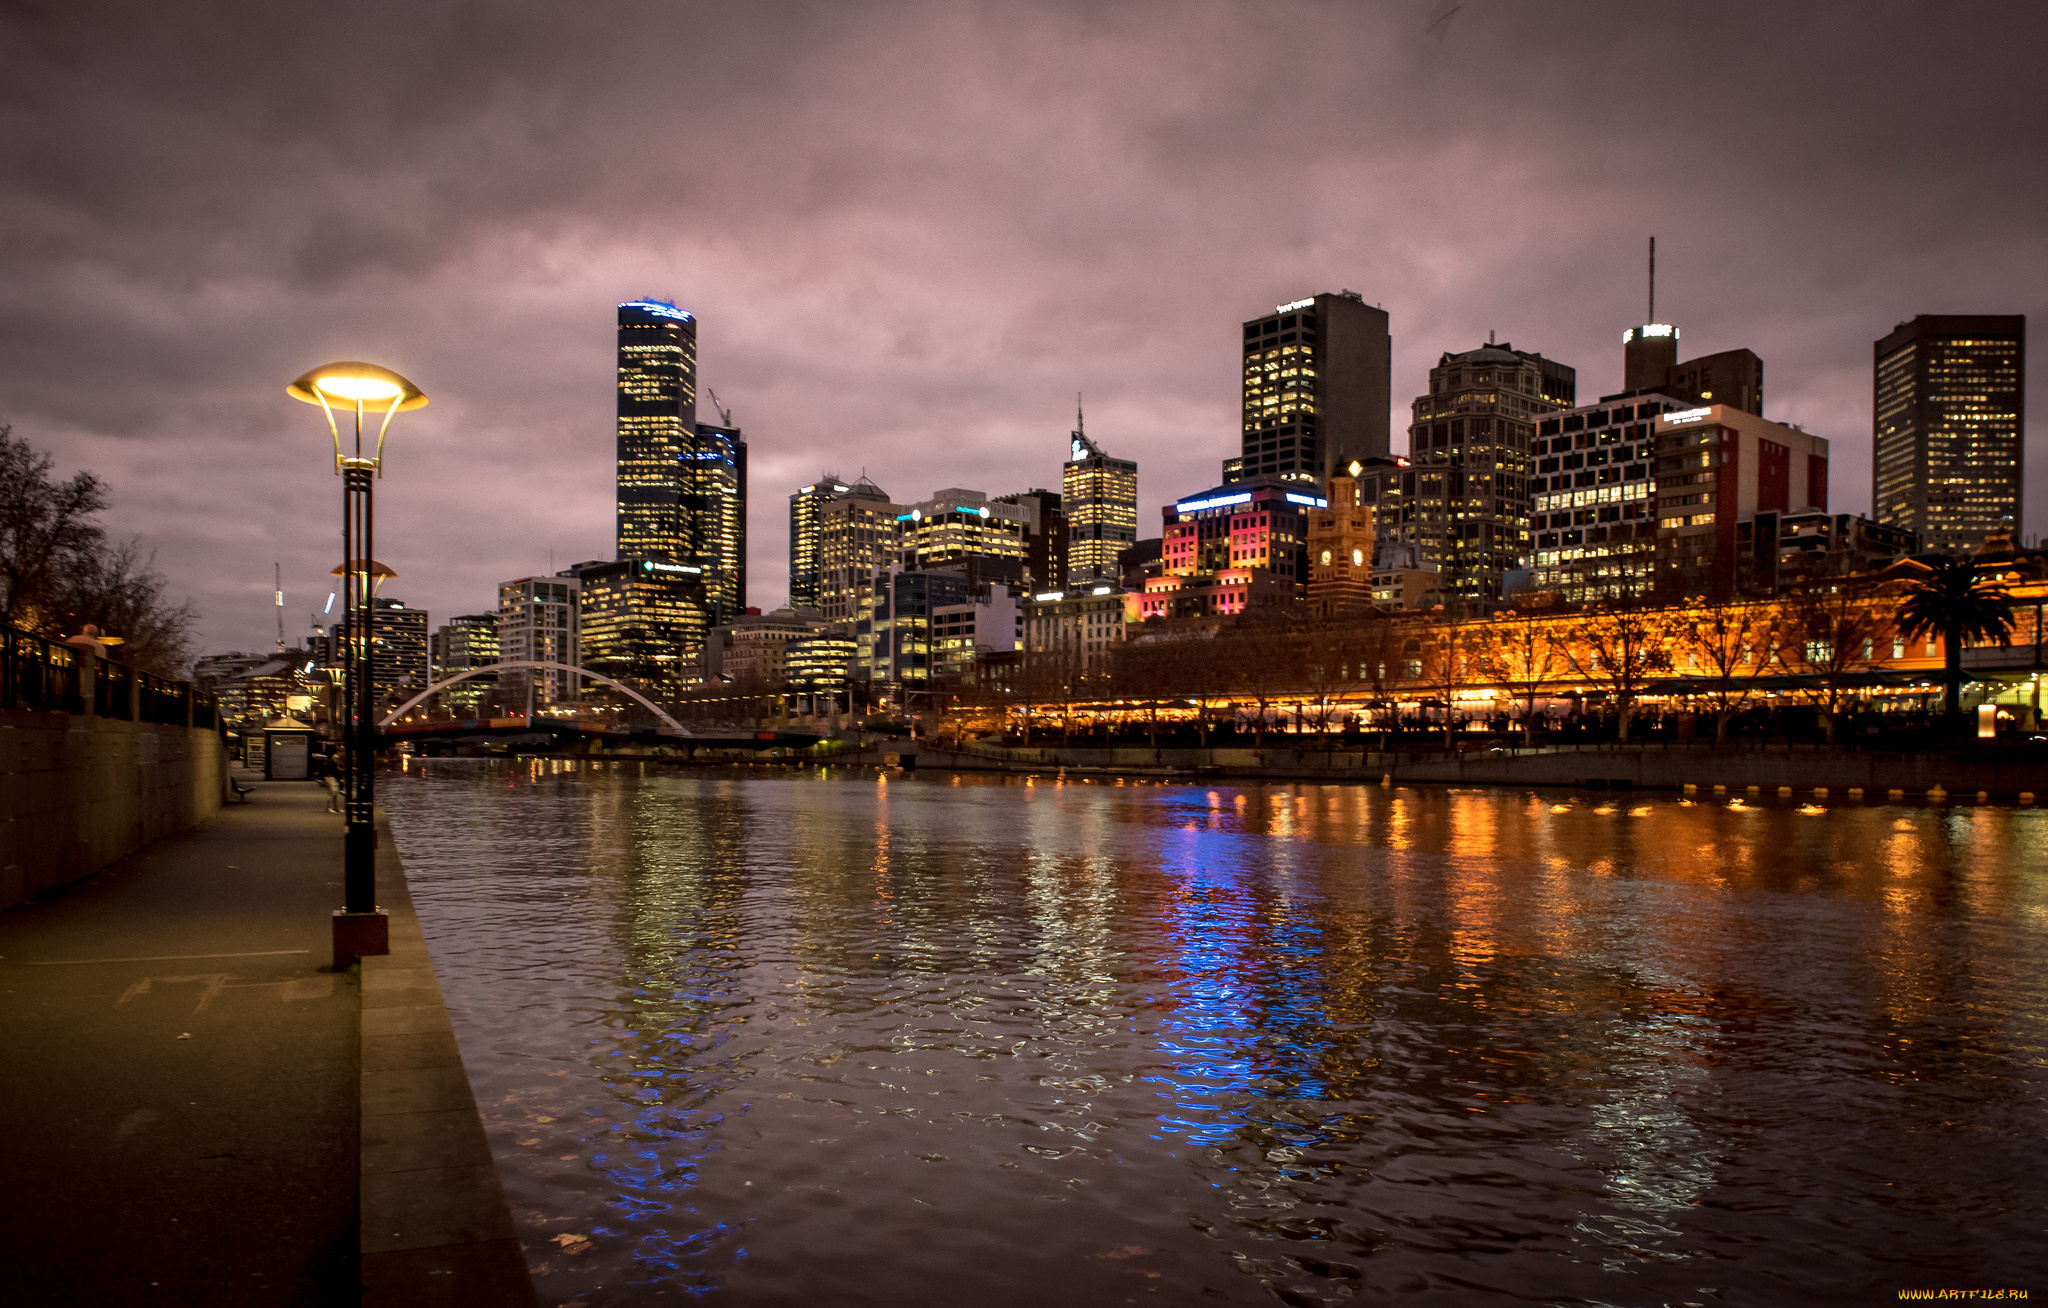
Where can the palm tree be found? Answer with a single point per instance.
(1954, 601)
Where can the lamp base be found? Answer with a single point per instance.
(359, 934)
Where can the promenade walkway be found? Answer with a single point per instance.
(182, 1092)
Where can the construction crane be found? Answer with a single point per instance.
(724, 414)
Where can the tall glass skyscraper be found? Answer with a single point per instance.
(1101, 504)
(1950, 409)
(715, 519)
(657, 428)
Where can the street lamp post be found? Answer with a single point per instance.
(360, 927)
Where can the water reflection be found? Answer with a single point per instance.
(797, 1039)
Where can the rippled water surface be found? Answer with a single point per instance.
(786, 1038)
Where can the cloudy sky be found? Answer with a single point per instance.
(911, 232)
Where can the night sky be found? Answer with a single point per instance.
(911, 233)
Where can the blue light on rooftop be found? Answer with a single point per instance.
(659, 308)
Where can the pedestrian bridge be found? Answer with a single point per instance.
(537, 665)
(592, 736)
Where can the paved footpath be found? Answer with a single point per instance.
(181, 1077)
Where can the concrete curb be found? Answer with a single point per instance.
(435, 1227)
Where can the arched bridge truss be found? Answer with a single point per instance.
(539, 665)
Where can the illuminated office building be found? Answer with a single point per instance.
(1317, 383)
(1718, 467)
(1259, 525)
(965, 529)
(1950, 405)
(715, 519)
(1468, 451)
(1595, 498)
(398, 651)
(806, 543)
(643, 621)
(537, 623)
(1045, 537)
(856, 535)
(894, 635)
(1101, 507)
(467, 641)
(657, 433)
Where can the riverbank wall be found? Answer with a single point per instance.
(2006, 774)
(79, 791)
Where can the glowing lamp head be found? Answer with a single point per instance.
(351, 383)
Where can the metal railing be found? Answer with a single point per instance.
(158, 700)
(112, 690)
(49, 675)
(38, 673)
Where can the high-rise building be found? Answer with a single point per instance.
(1716, 468)
(806, 563)
(1650, 365)
(1046, 537)
(467, 641)
(642, 621)
(1317, 383)
(1257, 525)
(537, 623)
(716, 519)
(398, 650)
(1468, 447)
(1595, 497)
(1101, 506)
(964, 529)
(1950, 410)
(657, 436)
(856, 535)
(894, 635)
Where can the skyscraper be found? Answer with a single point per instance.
(715, 519)
(398, 650)
(1469, 448)
(1101, 504)
(537, 622)
(642, 620)
(1950, 409)
(856, 535)
(1317, 383)
(657, 437)
(805, 562)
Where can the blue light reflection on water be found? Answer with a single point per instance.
(784, 1039)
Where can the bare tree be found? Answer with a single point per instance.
(46, 530)
(1728, 643)
(1449, 665)
(1521, 655)
(58, 572)
(1829, 633)
(1264, 659)
(1621, 649)
(117, 589)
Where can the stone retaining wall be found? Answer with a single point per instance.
(78, 792)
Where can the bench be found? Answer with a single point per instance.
(239, 791)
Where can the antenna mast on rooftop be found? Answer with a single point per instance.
(277, 575)
(1653, 281)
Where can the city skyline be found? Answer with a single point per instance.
(1005, 207)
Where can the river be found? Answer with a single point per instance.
(757, 1037)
